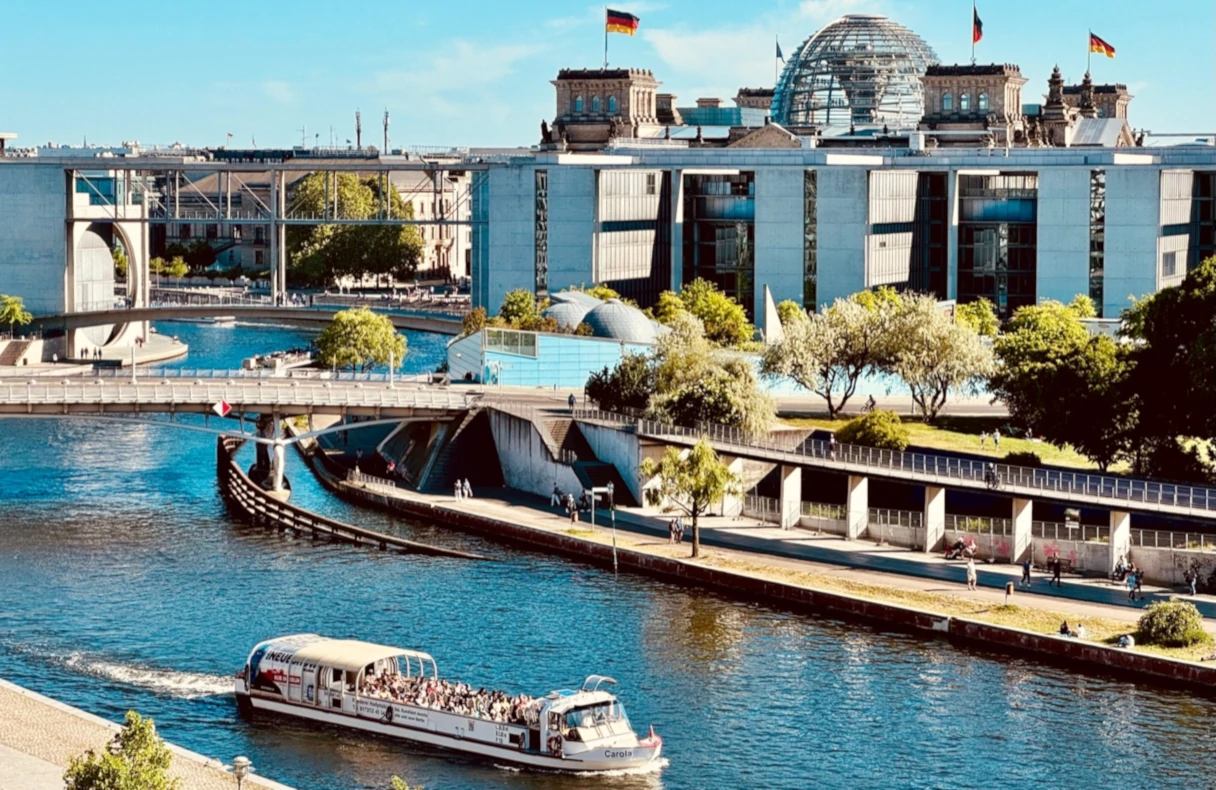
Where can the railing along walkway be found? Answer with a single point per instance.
(1030, 482)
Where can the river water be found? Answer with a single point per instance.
(125, 584)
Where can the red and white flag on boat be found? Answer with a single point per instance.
(222, 408)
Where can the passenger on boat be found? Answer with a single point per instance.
(458, 698)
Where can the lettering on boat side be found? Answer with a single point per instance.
(614, 755)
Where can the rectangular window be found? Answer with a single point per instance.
(651, 184)
(1097, 237)
(1169, 264)
(258, 257)
(810, 240)
(542, 230)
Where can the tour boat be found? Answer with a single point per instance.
(397, 692)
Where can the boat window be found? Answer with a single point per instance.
(335, 678)
(592, 715)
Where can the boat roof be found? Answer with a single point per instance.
(349, 654)
(562, 701)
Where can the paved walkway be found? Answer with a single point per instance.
(39, 735)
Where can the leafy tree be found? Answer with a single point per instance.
(400, 784)
(158, 266)
(790, 311)
(980, 316)
(691, 483)
(1172, 624)
(694, 382)
(599, 291)
(360, 339)
(625, 388)
(13, 312)
(669, 307)
(830, 352)
(200, 255)
(725, 319)
(518, 307)
(1083, 306)
(120, 261)
(177, 268)
(879, 428)
(473, 322)
(934, 355)
(141, 763)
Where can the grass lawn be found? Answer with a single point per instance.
(962, 434)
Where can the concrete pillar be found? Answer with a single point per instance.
(1023, 511)
(280, 261)
(274, 237)
(733, 505)
(1120, 537)
(934, 517)
(791, 496)
(280, 460)
(858, 508)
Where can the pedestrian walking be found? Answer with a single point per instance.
(570, 402)
(996, 439)
(679, 530)
(1131, 585)
(1193, 580)
(1055, 573)
(556, 499)
(459, 489)
(983, 439)
(467, 489)
(832, 447)
(1025, 573)
(1140, 584)
(971, 577)
(671, 530)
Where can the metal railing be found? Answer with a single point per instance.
(1180, 541)
(980, 525)
(369, 481)
(939, 469)
(763, 508)
(1081, 533)
(911, 519)
(824, 511)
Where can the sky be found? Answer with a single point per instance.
(477, 72)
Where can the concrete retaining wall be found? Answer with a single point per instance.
(620, 448)
(1087, 557)
(1169, 566)
(527, 464)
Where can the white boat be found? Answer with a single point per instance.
(347, 683)
(217, 320)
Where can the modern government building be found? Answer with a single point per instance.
(869, 164)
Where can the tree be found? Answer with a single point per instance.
(518, 307)
(1172, 624)
(1083, 306)
(625, 388)
(881, 429)
(934, 355)
(829, 352)
(668, 308)
(692, 483)
(13, 312)
(177, 269)
(120, 261)
(980, 316)
(360, 339)
(141, 762)
(199, 256)
(725, 319)
(473, 322)
(695, 383)
(790, 311)
(157, 266)
(599, 291)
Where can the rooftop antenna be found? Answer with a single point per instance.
(304, 136)
(358, 130)
(386, 130)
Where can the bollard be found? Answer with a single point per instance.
(1008, 592)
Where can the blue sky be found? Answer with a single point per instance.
(477, 71)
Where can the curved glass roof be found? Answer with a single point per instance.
(861, 69)
(617, 320)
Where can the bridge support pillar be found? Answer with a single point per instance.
(1120, 537)
(280, 460)
(791, 496)
(858, 508)
(733, 505)
(1023, 512)
(934, 518)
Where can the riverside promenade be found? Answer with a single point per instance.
(39, 735)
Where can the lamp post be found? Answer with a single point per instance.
(240, 769)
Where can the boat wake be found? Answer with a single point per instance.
(653, 767)
(183, 685)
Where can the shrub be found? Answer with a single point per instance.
(879, 428)
(1023, 458)
(1172, 624)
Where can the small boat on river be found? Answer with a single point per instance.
(397, 692)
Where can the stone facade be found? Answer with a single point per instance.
(1111, 101)
(984, 99)
(595, 106)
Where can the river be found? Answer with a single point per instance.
(125, 584)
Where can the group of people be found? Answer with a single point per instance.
(1075, 633)
(462, 489)
(996, 439)
(458, 698)
(86, 354)
(675, 530)
(1133, 577)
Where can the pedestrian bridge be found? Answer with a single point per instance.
(418, 321)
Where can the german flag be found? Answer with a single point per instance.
(620, 22)
(1096, 44)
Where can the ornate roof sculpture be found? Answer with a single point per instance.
(861, 69)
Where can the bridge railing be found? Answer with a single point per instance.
(928, 467)
(207, 374)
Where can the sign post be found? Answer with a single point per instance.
(607, 491)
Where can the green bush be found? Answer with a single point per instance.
(1172, 624)
(879, 428)
(1023, 458)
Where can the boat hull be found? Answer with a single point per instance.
(610, 758)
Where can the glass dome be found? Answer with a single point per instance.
(861, 69)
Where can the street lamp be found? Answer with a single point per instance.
(240, 769)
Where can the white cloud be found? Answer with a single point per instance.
(718, 61)
(279, 91)
(458, 66)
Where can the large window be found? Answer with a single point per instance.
(541, 229)
(1097, 237)
(998, 240)
(964, 102)
(612, 105)
(810, 240)
(578, 104)
(983, 104)
(595, 104)
(719, 233)
(947, 102)
(510, 341)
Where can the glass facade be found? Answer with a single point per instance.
(1097, 237)
(633, 241)
(1203, 219)
(810, 240)
(720, 233)
(930, 235)
(998, 240)
(542, 231)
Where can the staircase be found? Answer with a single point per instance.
(463, 437)
(569, 441)
(13, 351)
(597, 474)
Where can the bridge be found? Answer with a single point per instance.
(443, 324)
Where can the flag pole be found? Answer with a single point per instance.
(1089, 52)
(974, 11)
(776, 41)
(605, 38)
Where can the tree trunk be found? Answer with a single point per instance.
(696, 536)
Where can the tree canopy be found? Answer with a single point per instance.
(119, 255)
(691, 483)
(934, 355)
(879, 428)
(360, 340)
(13, 312)
(980, 316)
(141, 762)
(626, 388)
(790, 311)
(724, 319)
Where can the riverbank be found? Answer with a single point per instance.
(39, 735)
(1029, 627)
